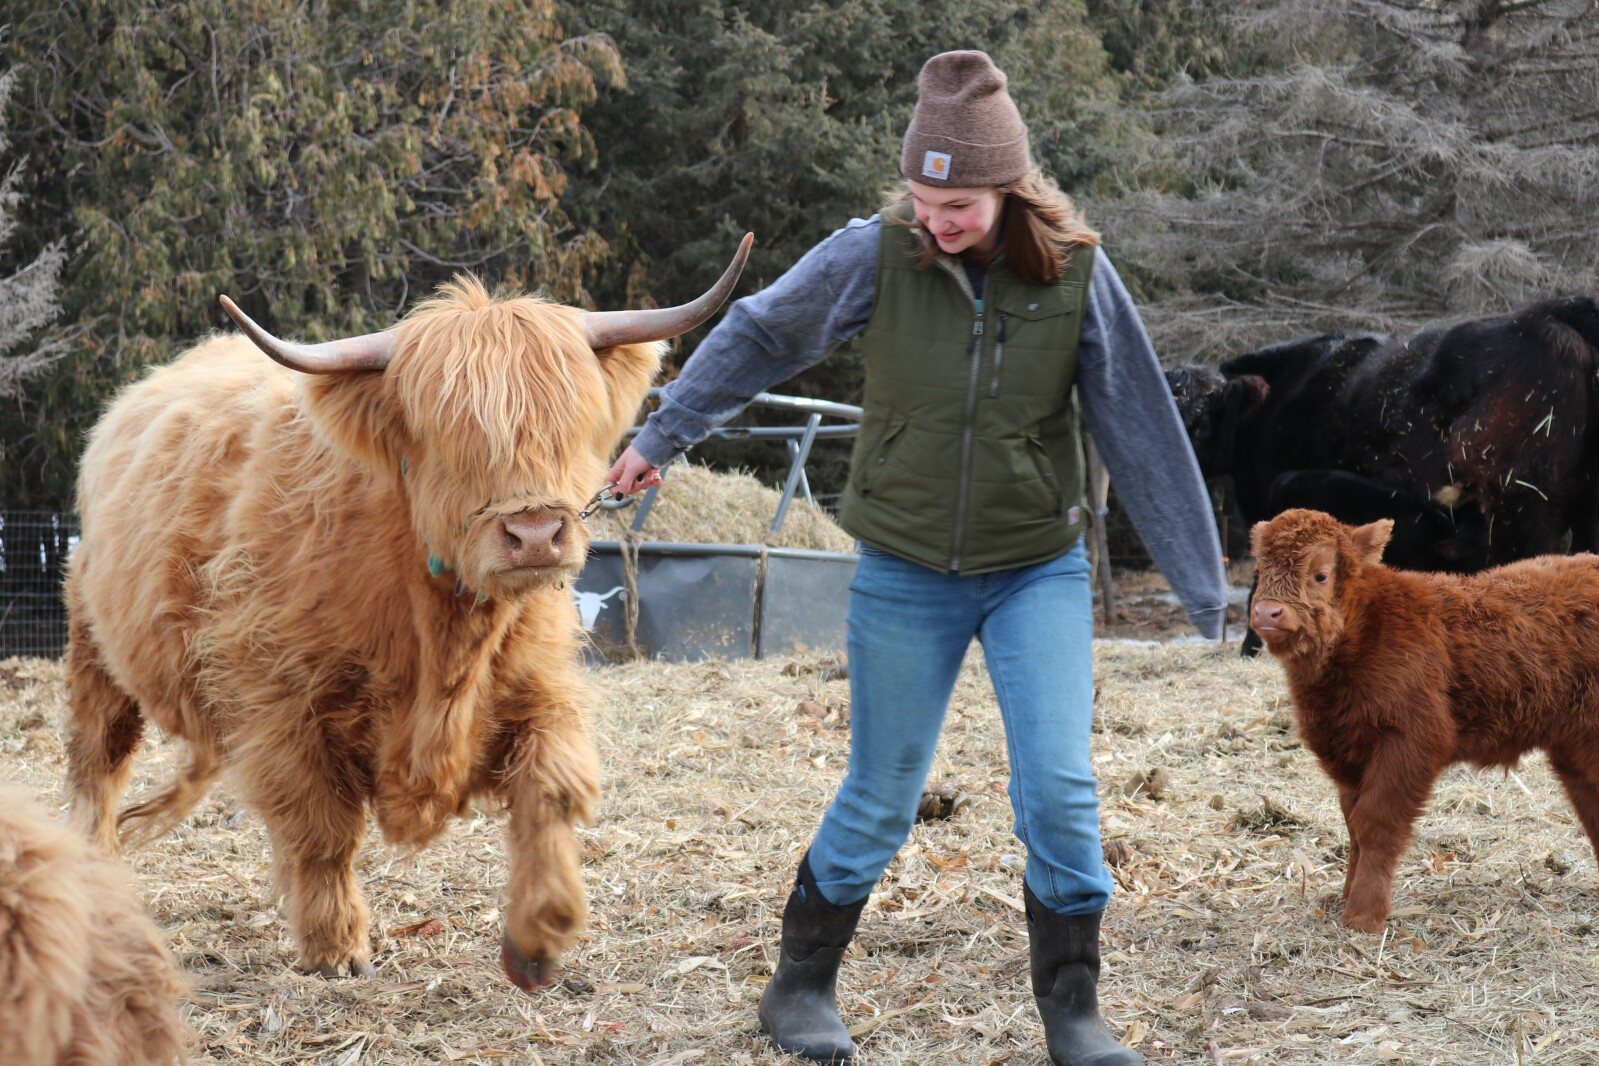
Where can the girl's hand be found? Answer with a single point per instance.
(632, 473)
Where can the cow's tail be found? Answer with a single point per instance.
(158, 815)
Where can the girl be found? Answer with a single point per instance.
(992, 330)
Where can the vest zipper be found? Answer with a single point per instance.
(999, 356)
(968, 431)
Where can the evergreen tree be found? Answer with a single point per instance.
(28, 294)
(324, 164)
(1374, 164)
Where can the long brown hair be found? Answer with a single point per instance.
(1038, 230)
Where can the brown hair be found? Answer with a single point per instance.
(1038, 230)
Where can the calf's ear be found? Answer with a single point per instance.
(1256, 533)
(1371, 539)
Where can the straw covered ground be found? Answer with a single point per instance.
(1220, 947)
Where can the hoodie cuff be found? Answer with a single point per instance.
(1209, 622)
(655, 446)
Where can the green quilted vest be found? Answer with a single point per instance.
(969, 456)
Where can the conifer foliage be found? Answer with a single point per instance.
(1374, 164)
(28, 292)
(323, 163)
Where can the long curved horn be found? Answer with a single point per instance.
(370, 351)
(607, 329)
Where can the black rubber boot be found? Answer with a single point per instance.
(799, 1009)
(1065, 954)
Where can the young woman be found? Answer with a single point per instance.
(992, 330)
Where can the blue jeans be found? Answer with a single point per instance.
(908, 629)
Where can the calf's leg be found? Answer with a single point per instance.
(1347, 796)
(1393, 792)
(1581, 781)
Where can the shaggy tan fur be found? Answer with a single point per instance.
(254, 578)
(85, 978)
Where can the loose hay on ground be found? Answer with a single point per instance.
(1221, 945)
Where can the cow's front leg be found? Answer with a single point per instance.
(553, 785)
(425, 761)
(316, 827)
(1393, 793)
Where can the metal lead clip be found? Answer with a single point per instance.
(600, 497)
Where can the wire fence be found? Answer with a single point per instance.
(34, 546)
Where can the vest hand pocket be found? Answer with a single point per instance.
(877, 459)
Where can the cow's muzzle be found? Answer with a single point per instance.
(1273, 620)
(535, 539)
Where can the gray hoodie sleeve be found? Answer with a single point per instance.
(1128, 408)
(791, 325)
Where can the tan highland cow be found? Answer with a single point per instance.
(1395, 675)
(344, 578)
(85, 978)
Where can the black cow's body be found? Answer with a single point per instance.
(1484, 433)
(1426, 535)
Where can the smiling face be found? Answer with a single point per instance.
(959, 220)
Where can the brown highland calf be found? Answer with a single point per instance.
(85, 978)
(342, 575)
(1395, 675)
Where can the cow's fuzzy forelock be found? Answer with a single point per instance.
(504, 391)
(506, 407)
(1286, 545)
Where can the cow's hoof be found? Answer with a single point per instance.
(1364, 923)
(525, 973)
(356, 969)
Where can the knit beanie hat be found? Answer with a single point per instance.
(966, 132)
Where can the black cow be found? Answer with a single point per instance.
(1426, 535)
(1489, 426)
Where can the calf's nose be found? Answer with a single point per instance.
(1266, 613)
(534, 538)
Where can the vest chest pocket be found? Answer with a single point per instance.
(1034, 331)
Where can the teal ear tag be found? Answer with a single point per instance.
(435, 565)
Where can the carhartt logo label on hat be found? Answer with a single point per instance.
(936, 165)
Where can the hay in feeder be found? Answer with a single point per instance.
(699, 505)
